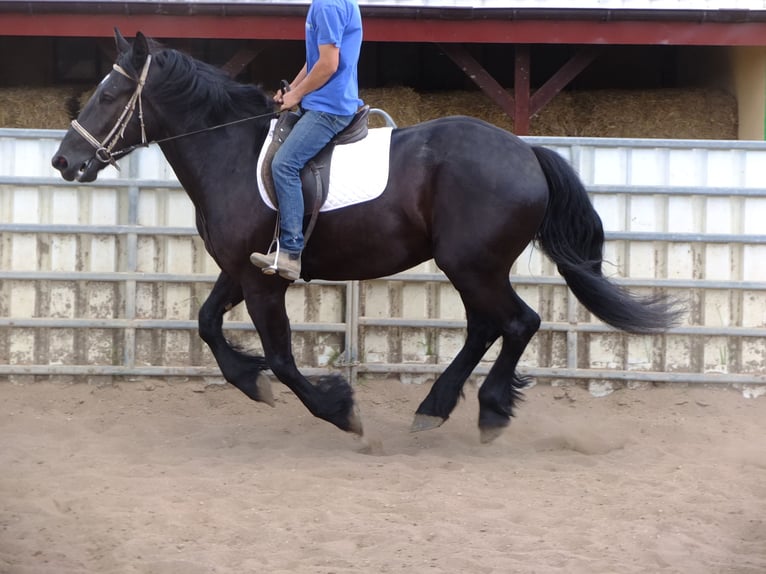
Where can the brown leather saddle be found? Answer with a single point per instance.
(315, 176)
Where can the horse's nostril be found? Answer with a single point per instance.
(60, 162)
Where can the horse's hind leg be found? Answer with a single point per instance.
(241, 370)
(493, 309)
(501, 388)
(446, 390)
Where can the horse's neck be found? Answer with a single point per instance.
(182, 158)
(203, 162)
(186, 169)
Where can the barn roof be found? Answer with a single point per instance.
(653, 5)
(683, 22)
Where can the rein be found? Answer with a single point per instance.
(125, 151)
(104, 152)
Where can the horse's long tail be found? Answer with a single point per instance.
(572, 235)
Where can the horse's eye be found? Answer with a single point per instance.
(106, 97)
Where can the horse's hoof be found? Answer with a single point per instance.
(355, 422)
(265, 394)
(426, 422)
(488, 434)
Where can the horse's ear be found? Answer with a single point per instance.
(120, 42)
(140, 51)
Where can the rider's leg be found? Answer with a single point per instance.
(310, 134)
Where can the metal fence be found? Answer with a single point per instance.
(105, 279)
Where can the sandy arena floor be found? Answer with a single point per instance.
(159, 478)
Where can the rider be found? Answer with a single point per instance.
(327, 93)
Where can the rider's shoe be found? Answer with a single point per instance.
(288, 265)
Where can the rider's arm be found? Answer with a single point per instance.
(299, 78)
(325, 67)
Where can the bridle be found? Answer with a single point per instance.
(104, 152)
(104, 149)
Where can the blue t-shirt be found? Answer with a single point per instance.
(337, 22)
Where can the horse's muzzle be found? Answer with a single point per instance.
(85, 172)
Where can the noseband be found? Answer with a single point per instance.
(104, 149)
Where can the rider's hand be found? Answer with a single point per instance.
(289, 100)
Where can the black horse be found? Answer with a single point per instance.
(461, 191)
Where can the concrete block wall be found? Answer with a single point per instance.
(680, 217)
(106, 279)
(700, 210)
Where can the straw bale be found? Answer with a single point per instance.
(669, 113)
(39, 107)
(402, 104)
(466, 103)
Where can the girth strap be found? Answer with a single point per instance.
(319, 198)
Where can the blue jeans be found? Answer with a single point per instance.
(312, 132)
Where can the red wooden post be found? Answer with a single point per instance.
(521, 90)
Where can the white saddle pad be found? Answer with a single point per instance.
(358, 171)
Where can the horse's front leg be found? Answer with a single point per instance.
(241, 370)
(332, 397)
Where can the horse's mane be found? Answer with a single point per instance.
(205, 93)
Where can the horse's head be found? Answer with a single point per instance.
(112, 120)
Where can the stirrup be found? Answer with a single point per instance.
(272, 269)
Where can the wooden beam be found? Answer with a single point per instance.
(563, 76)
(501, 31)
(474, 70)
(241, 60)
(523, 104)
(521, 89)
